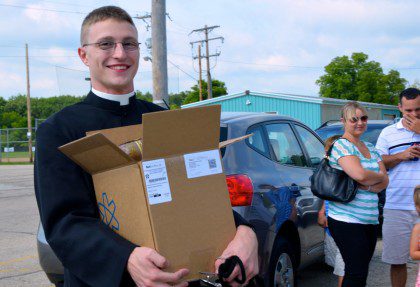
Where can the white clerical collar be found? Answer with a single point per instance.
(122, 99)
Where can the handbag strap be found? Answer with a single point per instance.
(332, 145)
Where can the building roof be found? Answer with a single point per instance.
(293, 97)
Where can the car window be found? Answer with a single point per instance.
(313, 146)
(325, 133)
(371, 134)
(256, 141)
(223, 137)
(285, 145)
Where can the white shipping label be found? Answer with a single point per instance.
(203, 163)
(156, 179)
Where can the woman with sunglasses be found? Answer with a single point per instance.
(354, 225)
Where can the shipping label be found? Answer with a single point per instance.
(157, 183)
(203, 163)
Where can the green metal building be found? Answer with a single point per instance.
(313, 111)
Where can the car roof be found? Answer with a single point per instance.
(370, 122)
(229, 117)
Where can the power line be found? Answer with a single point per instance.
(42, 9)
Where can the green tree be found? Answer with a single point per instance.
(358, 79)
(145, 97)
(219, 89)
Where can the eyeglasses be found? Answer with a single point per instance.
(128, 46)
(354, 120)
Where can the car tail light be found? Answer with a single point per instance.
(240, 189)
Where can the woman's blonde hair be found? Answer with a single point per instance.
(349, 110)
(417, 195)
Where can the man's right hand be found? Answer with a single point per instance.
(145, 267)
(410, 153)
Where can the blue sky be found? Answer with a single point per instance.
(270, 45)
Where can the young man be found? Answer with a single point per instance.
(399, 145)
(92, 254)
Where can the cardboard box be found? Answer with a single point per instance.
(175, 200)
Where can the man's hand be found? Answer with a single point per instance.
(145, 267)
(412, 123)
(410, 153)
(245, 246)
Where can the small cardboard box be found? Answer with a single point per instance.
(175, 200)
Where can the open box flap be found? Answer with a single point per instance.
(231, 141)
(96, 153)
(121, 135)
(180, 131)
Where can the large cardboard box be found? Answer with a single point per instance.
(175, 200)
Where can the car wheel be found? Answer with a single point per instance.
(282, 272)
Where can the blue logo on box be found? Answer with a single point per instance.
(107, 211)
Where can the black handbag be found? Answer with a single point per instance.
(332, 184)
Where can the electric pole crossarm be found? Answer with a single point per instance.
(202, 56)
(205, 28)
(210, 39)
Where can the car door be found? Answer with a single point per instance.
(295, 168)
(309, 204)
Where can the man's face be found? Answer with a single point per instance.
(111, 71)
(411, 107)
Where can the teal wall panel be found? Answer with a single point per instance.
(306, 112)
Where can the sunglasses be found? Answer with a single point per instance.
(354, 120)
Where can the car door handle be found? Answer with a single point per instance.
(305, 202)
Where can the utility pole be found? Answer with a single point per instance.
(206, 31)
(199, 67)
(159, 53)
(28, 105)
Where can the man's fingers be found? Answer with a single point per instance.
(173, 277)
(158, 260)
(235, 273)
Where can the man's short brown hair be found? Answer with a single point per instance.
(102, 14)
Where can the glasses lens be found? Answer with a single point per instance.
(106, 45)
(354, 120)
(130, 46)
(364, 118)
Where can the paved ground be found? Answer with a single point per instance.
(18, 225)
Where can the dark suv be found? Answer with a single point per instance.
(268, 182)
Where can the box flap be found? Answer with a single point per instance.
(231, 141)
(180, 131)
(121, 135)
(96, 153)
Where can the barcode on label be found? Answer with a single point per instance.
(212, 163)
(157, 179)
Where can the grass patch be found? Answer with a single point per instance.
(15, 163)
(20, 154)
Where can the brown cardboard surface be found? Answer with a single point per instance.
(121, 135)
(180, 131)
(96, 153)
(124, 187)
(198, 216)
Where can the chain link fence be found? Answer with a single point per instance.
(14, 144)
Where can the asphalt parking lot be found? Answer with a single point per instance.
(18, 225)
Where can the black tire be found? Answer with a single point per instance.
(282, 265)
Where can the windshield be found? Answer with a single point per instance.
(371, 135)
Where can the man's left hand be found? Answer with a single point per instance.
(245, 246)
(413, 123)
